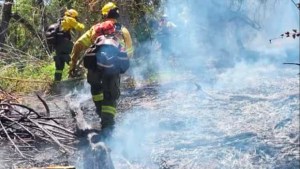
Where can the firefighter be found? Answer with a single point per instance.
(63, 45)
(105, 90)
(165, 29)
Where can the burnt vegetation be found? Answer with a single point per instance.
(26, 128)
(27, 131)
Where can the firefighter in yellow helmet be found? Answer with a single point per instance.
(105, 91)
(69, 21)
(63, 44)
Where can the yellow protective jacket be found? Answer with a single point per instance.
(69, 23)
(87, 39)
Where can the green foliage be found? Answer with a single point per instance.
(30, 77)
(27, 35)
(19, 36)
(141, 13)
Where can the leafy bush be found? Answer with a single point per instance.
(34, 76)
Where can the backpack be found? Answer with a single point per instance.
(106, 54)
(54, 34)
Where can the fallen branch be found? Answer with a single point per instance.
(292, 64)
(16, 147)
(50, 135)
(24, 127)
(45, 104)
(14, 122)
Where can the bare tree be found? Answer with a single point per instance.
(6, 16)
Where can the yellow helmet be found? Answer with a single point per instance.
(71, 13)
(107, 7)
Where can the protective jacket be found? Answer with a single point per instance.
(63, 44)
(105, 87)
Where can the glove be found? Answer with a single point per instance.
(72, 70)
(79, 26)
(77, 48)
(72, 22)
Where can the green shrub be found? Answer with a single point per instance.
(31, 77)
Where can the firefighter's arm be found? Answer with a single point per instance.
(128, 42)
(74, 24)
(79, 26)
(80, 45)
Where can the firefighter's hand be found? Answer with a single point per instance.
(71, 71)
(71, 21)
(74, 23)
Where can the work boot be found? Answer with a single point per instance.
(98, 105)
(55, 88)
(104, 135)
(107, 126)
(107, 120)
(107, 132)
(57, 77)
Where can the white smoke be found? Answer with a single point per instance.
(222, 45)
(215, 36)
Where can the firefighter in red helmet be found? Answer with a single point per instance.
(105, 91)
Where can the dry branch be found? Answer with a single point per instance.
(24, 127)
(45, 105)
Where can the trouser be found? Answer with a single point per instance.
(166, 48)
(63, 51)
(105, 91)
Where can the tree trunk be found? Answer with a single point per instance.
(6, 16)
(124, 14)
